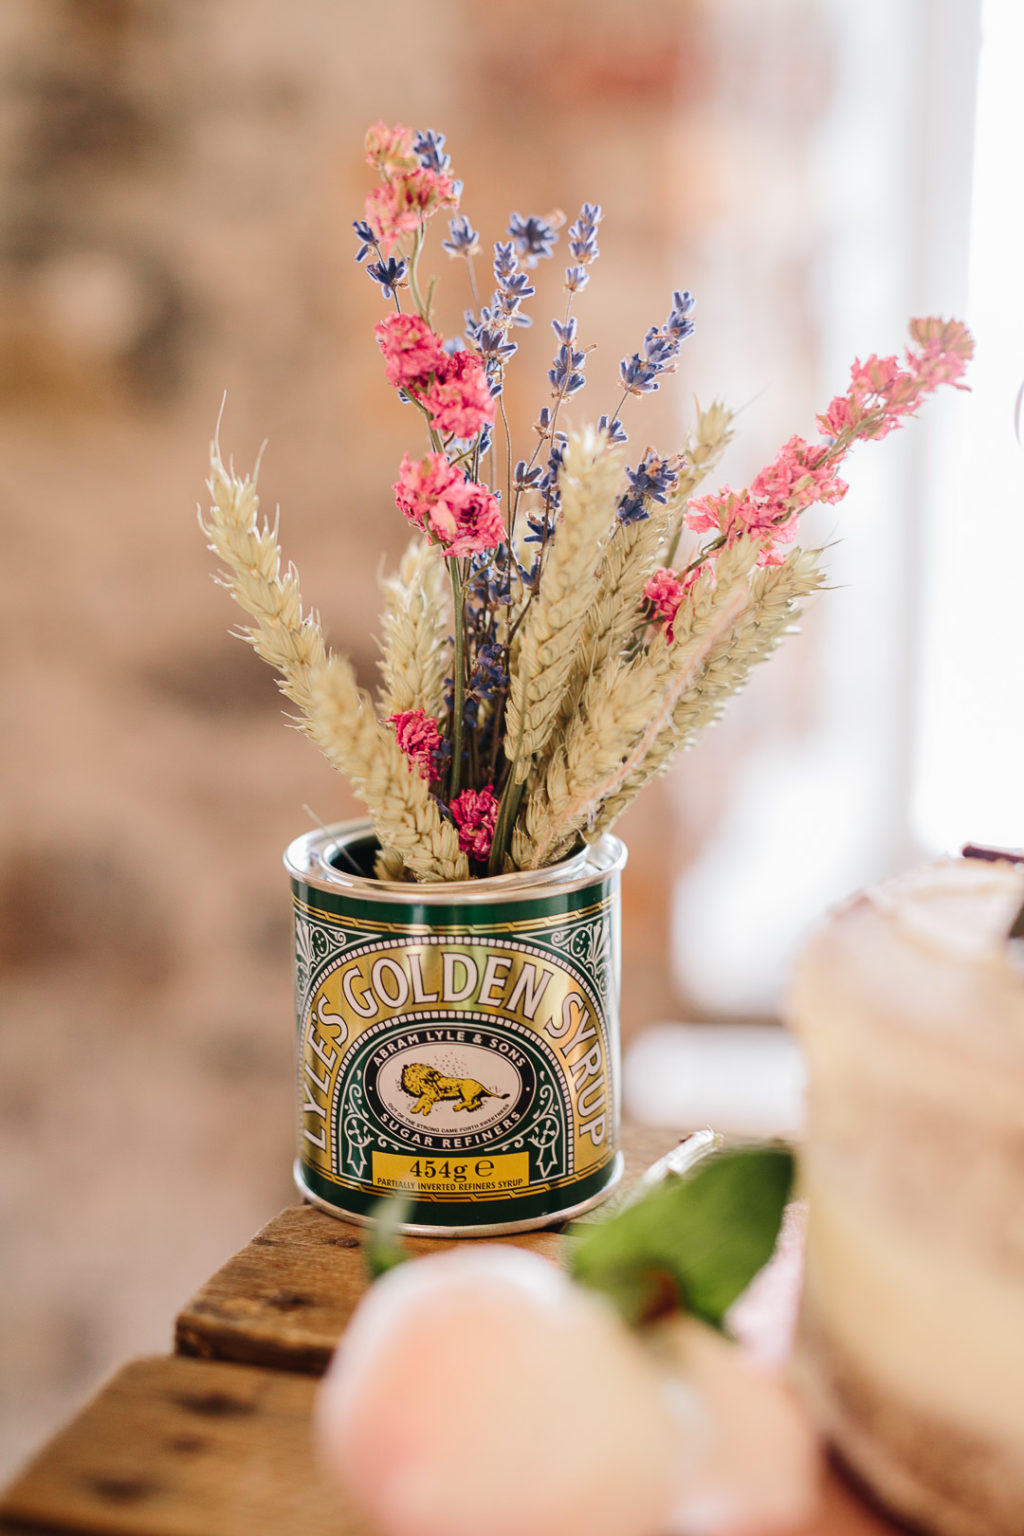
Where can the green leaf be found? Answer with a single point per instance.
(697, 1240)
(382, 1246)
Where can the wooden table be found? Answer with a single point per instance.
(214, 1440)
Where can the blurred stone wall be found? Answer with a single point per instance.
(177, 181)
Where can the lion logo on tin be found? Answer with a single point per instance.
(427, 1086)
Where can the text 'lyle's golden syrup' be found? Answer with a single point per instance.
(461, 1053)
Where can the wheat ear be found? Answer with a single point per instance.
(344, 726)
(544, 648)
(631, 556)
(772, 610)
(617, 701)
(711, 436)
(594, 766)
(416, 648)
(290, 640)
(336, 714)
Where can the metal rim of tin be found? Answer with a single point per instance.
(309, 858)
(494, 1229)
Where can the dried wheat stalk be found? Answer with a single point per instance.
(336, 713)
(625, 709)
(767, 618)
(544, 648)
(416, 647)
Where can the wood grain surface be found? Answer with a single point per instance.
(184, 1447)
(176, 1447)
(286, 1297)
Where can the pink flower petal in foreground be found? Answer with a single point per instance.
(758, 1466)
(481, 1393)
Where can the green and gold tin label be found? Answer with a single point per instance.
(468, 1063)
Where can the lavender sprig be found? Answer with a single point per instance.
(583, 245)
(650, 481)
(641, 373)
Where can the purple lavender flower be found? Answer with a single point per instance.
(541, 525)
(534, 238)
(489, 670)
(678, 323)
(640, 374)
(366, 237)
(463, 239)
(651, 480)
(615, 431)
(583, 234)
(505, 260)
(566, 376)
(492, 344)
(548, 483)
(583, 245)
(524, 478)
(389, 274)
(488, 584)
(429, 146)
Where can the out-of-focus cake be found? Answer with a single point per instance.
(909, 1002)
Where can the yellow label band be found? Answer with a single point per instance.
(467, 1176)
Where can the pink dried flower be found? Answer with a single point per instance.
(479, 524)
(437, 498)
(475, 812)
(770, 509)
(799, 476)
(665, 591)
(412, 351)
(405, 202)
(874, 376)
(419, 738)
(732, 514)
(427, 492)
(882, 393)
(948, 339)
(390, 149)
(460, 400)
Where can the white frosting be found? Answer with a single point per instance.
(910, 1003)
(940, 1333)
(962, 908)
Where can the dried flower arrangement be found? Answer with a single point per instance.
(574, 658)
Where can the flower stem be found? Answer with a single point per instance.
(423, 310)
(458, 677)
(507, 813)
